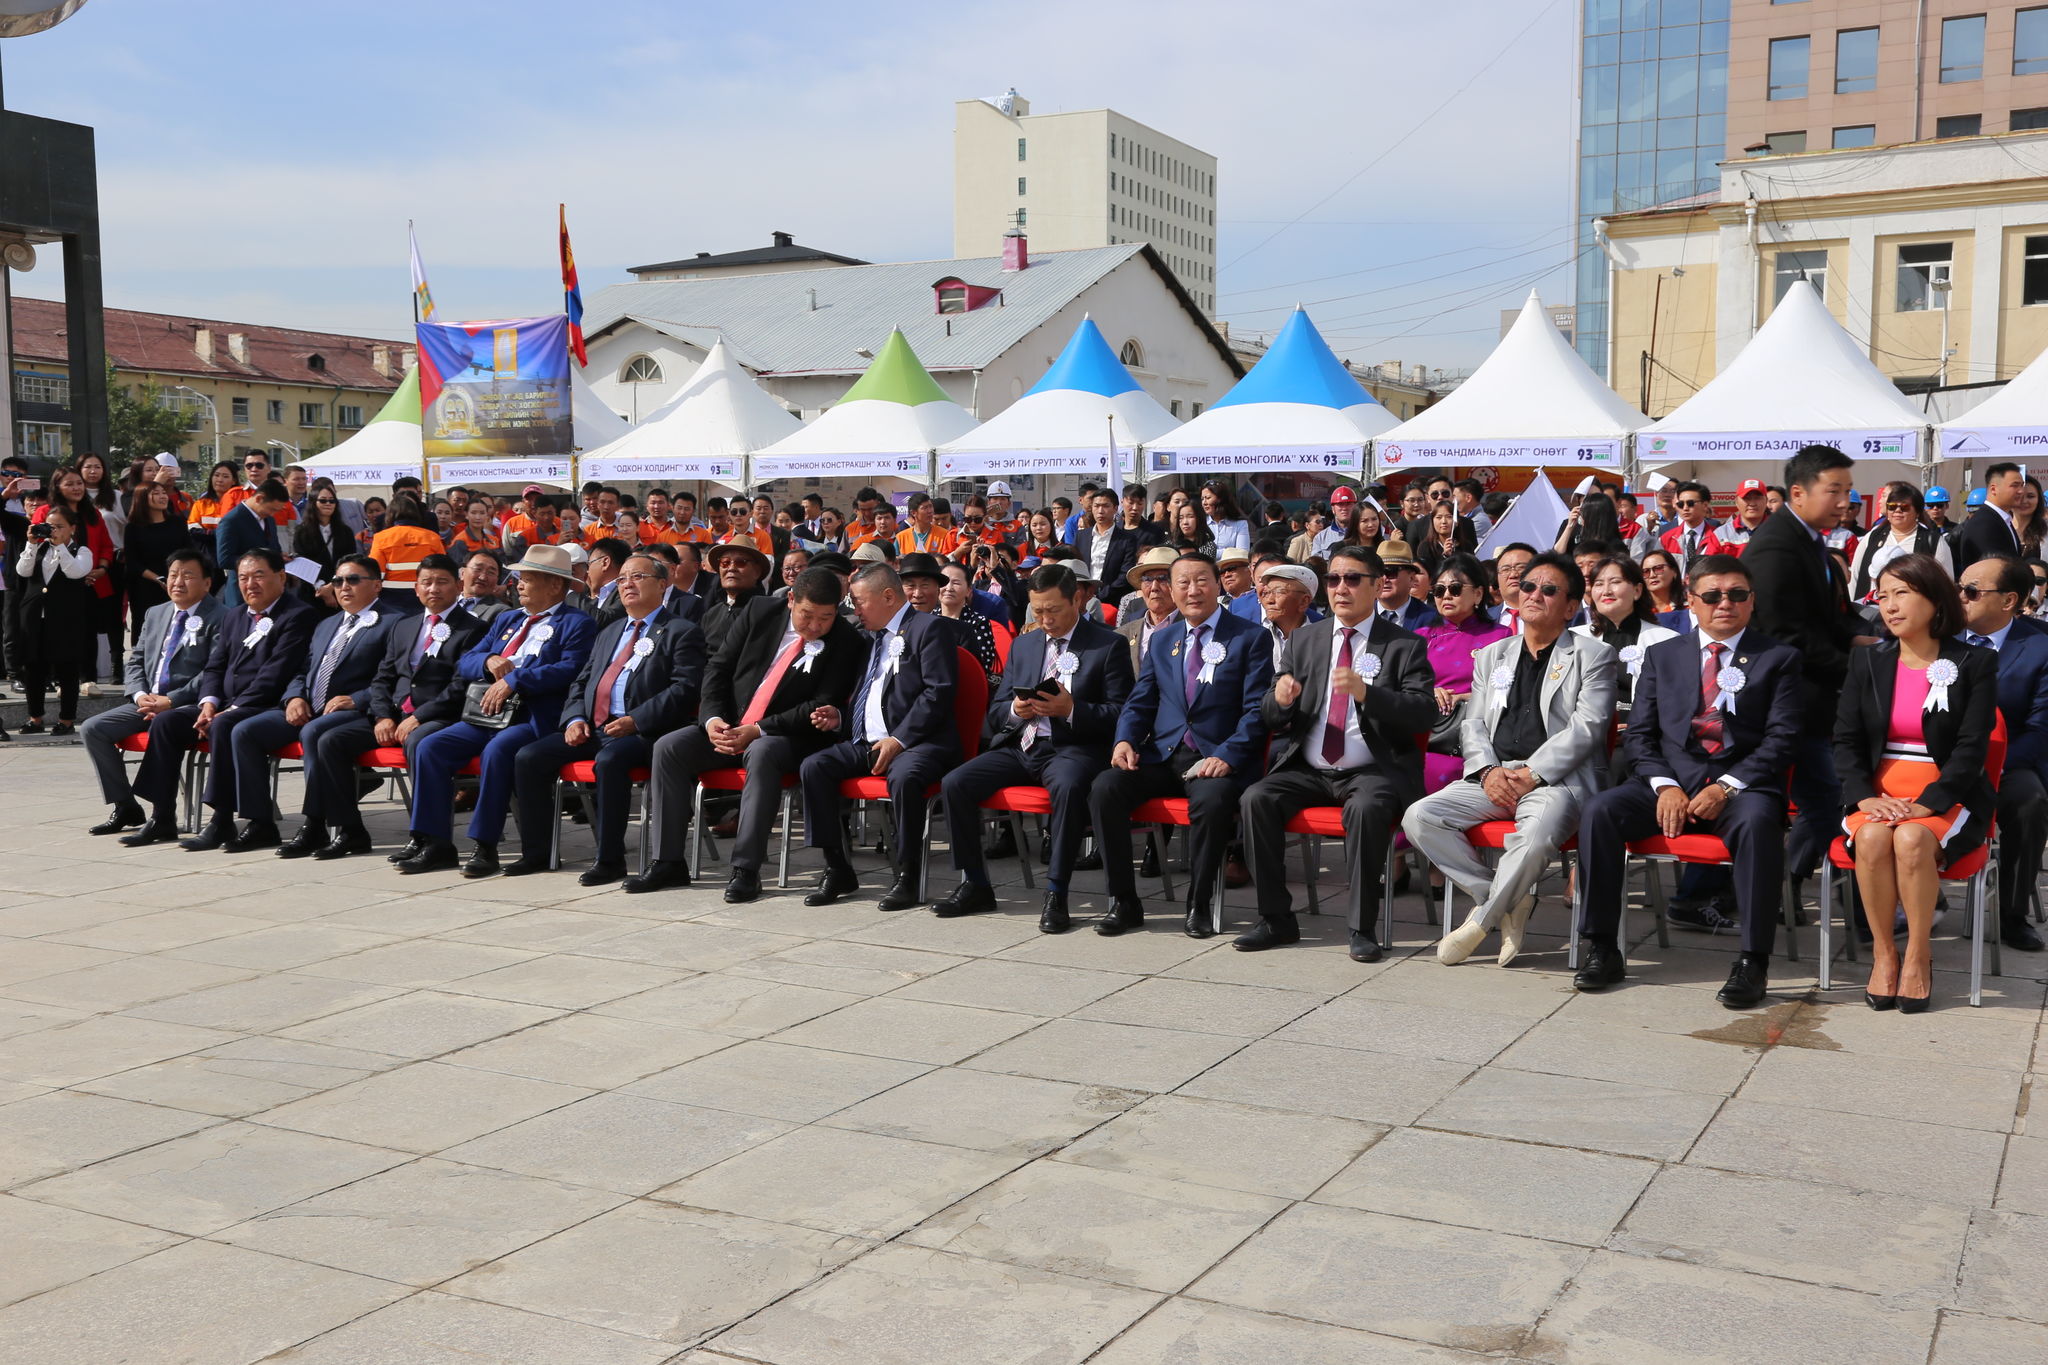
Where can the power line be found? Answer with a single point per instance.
(1393, 288)
(1391, 265)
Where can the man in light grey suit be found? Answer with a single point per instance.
(162, 672)
(1535, 747)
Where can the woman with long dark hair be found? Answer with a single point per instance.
(1902, 529)
(154, 530)
(1593, 522)
(1665, 583)
(1191, 531)
(1459, 596)
(321, 535)
(1620, 617)
(56, 613)
(68, 492)
(106, 606)
(210, 506)
(2030, 520)
(1227, 525)
(1449, 534)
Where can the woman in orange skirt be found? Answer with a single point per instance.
(1912, 740)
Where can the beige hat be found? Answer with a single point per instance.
(1158, 557)
(552, 559)
(870, 553)
(1233, 555)
(1395, 554)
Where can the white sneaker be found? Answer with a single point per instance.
(1512, 927)
(91, 689)
(1461, 942)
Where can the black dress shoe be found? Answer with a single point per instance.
(1122, 915)
(602, 874)
(124, 817)
(523, 866)
(1365, 948)
(1053, 918)
(412, 849)
(1091, 861)
(1600, 966)
(1914, 1004)
(1149, 867)
(345, 843)
(310, 839)
(836, 882)
(214, 836)
(435, 855)
(161, 830)
(2021, 936)
(1745, 988)
(1268, 933)
(63, 727)
(902, 894)
(1004, 845)
(1200, 922)
(483, 862)
(967, 899)
(254, 835)
(744, 887)
(661, 874)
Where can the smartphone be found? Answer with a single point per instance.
(28, 485)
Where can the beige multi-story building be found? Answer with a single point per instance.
(1085, 179)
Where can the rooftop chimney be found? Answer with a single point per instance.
(202, 342)
(783, 239)
(380, 360)
(238, 347)
(1016, 256)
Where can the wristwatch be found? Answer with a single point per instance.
(1726, 786)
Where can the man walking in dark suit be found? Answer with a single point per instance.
(162, 672)
(248, 526)
(640, 683)
(261, 646)
(333, 689)
(1712, 729)
(1054, 718)
(1994, 590)
(1109, 548)
(900, 727)
(1991, 529)
(1344, 711)
(780, 665)
(1192, 729)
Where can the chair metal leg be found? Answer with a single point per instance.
(788, 818)
(1216, 905)
(1311, 859)
(1159, 853)
(555, 834)
(1386, 897)
(1024, 858)
(1791, 908)
(1826, 922)
(1978, 903)
(696, 829)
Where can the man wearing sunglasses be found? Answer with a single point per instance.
(256, 473)
(1713, 725)
(1995, 589)
(1345, 708)
(1687, 540)
(1534, 740)
(1397, 603)
(1732, 537)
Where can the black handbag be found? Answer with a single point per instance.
(473, 708)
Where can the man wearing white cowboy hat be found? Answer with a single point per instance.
(529, 658)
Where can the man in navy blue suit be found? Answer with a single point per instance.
(533, 654)
(1053, 718)
(333, 689)
(1995, 588)
(1713, 725)
(1398, 605)
(899, 727)
(1191, 728)
(248, 526)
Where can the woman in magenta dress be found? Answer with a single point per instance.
(1458, 594)
(1912, 744)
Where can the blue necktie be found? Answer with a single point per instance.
(171, 643)
(860, 701)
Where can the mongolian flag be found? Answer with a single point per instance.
(572, 296)
(423, 298)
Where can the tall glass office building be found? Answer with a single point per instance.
(1653, 100)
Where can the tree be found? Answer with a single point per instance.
(138, 422)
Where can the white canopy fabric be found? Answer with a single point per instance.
(596, 424)
(367, 462)
(1801, 380)
(2012, 424)
(1534, 401)
(705, 432)
(886, 427)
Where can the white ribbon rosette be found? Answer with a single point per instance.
(1369, 667)
(367, 619)
(438, 636)
(263, 625)
(641, 650)
(1066, 666)
(1213, 654)
(193, 625)
(1733, 680)
(1632, 660)
(811, 650)
(1940, 674)
(1503, 678)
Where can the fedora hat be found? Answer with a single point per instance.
(920, 566)
(1396, 553)
(743, 547)
(554, 559)
(1158, 557)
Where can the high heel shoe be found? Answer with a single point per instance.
(1914, 1004)
(1880, 1002)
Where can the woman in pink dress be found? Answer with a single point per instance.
(1458, 595)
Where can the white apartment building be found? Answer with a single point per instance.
(1085, 179)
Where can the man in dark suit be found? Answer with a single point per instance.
(1191, 728)
(640, 683)
(1712, 729)
(162, 672)
(780, 665)
(741, 570)
(1995, 589)
(1398, 605)
(1057, 737)
(1344, 711)
(482, 575)
(1991, 529)
(259, 648)
(1802, 598)
(533, 654)
(333, 689)
(1110, 548)
(899, 726)
(248, 526)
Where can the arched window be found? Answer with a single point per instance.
(1132, 354)
(641, 369)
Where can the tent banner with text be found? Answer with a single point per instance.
(1162, 463)
(1654, 449)
(496, 390)
(1598, 452)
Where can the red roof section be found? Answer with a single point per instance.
(164, 343)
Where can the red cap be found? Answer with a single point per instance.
(533, 488)
(1750, 486)
(1343, 495)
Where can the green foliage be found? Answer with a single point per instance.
(138, 424)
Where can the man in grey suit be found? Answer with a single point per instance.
(1535, 746)
(481, 575)
(1152, 582)
(162, 672)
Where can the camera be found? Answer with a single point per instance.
(39, 531)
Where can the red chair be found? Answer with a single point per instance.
(1977, 870)
(1316, 823)
(189, 781)
(1018, 802)
(1004, 637)
(970, 708)
(1171, 812)
(1108, 615)
(732, 780)
(581, 777)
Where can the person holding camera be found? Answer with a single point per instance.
(56, 607)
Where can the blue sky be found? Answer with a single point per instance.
(259, 158)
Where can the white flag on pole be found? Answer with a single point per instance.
(423, 298)
(1534, 519)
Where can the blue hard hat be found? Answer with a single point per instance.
(1936, 494)
(1855, 498)
(1976, 498)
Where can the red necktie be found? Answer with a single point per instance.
(512, 645)
(765, 693)
(426, 638)
(1706, 726)
(601, 704)
(1340, 705)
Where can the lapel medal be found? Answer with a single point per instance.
(1940, 674)
(1733, 680)
(811, 650)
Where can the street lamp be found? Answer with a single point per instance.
(1942, 287)
(285, 445)
(213, 412)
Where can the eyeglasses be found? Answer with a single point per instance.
(1690, 502)
(1156, 580)
(354, 578)
(255, 464)
(1712, 596)
(975, 521)
(1900, 507)
(1348, 580)
(1546, 589)
(638, 577)
(1448, 589)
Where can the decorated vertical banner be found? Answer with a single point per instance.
(496, 390)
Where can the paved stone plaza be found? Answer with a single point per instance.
(326, 1114)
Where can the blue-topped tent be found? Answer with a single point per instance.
(1298, 409)
(1086, 406)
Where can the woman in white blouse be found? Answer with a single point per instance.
(1227, 524)
(55, 608)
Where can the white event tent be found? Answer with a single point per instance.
(886, 427)
(1800, 381)
(2012, 424)
(385, 449)
(1532, 402)
(1298, 409)
(705, 432)
(1085, 416)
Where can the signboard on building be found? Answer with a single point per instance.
(496, 391)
